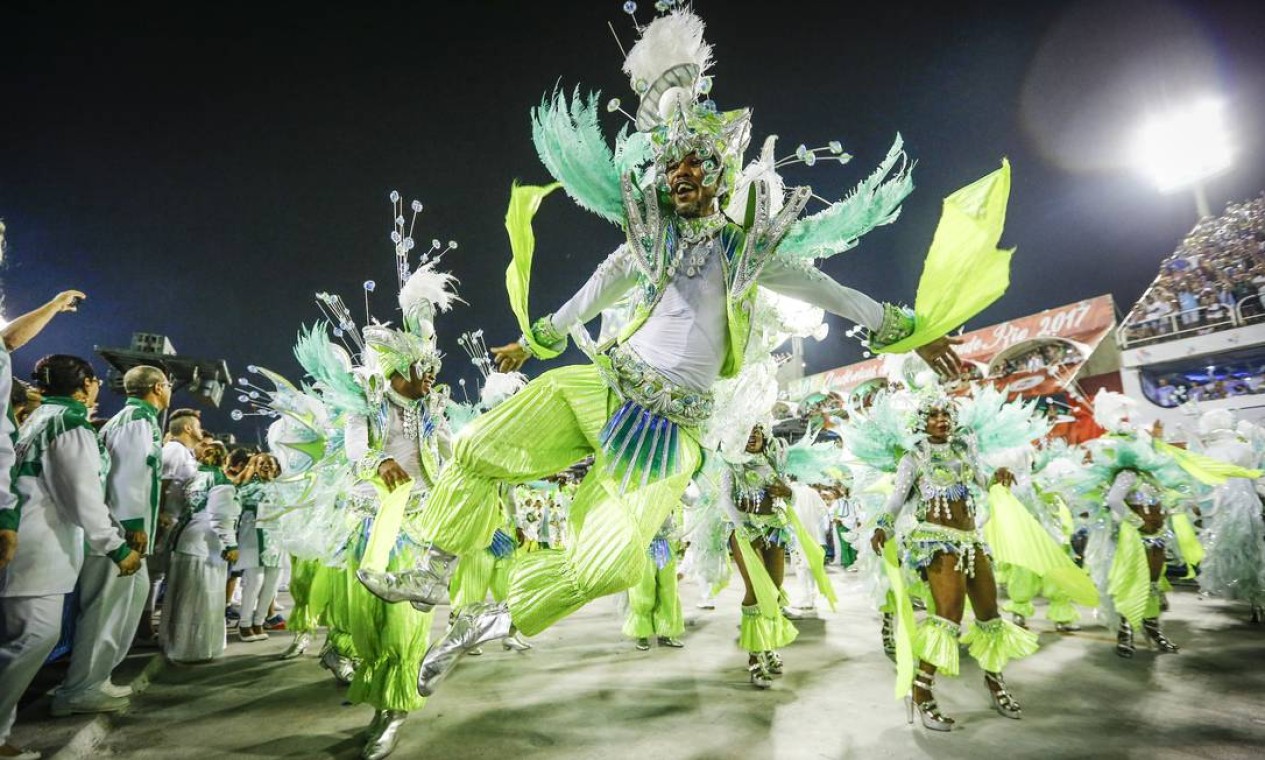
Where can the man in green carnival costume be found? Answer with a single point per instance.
(691, 269)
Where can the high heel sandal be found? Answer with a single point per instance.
(760, 677)
(1003, 702)
(772, 662)
(1157, 637)
(928, 711)
(1124, 639)
(889, 639)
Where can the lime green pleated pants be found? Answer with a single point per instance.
(654, 604)
(551, 424)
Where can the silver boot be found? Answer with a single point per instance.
(343, 668)
(297, 646)
(476, 624)
(425, 586)
(384, 734)
(515, 642)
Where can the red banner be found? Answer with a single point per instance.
(1084, 322)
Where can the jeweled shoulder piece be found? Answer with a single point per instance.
(763, 233)
(646, 239)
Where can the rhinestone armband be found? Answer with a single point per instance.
(898, 324)
(543, 332)
(367, 466)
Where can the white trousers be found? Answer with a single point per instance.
(110, 608)
(192, 624)
(259, 587)
(29, 628)
(805, 596)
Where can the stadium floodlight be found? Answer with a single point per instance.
(1184, 146)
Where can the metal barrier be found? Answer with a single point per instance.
(1176, 328)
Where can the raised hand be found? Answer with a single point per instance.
(941, 357)
(510, 357)
(392, 474)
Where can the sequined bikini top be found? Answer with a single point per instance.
(944, 476)
(750, 484)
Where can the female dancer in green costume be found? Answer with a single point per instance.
(946, 547)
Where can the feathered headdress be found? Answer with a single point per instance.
(1113, 453)
(666, 66)
(933, 398)
(998, 424)
(676, 115)
(1216, 421)
(1111, 410)
(879, 435)
(423, 293)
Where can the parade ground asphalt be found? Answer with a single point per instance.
(585, 692)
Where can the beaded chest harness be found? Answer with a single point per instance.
(944, 477)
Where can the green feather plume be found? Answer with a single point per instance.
(330, 378)
(810, 462)
(460, 415)
(879, 436)
(998, 424)
(1114, 453)
(571, 146)
(875, 201)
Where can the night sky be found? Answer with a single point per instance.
(202, 169)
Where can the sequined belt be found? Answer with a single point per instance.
(636, 381)
(927, 539)
(642, 437)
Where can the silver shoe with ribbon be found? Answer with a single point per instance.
(343, 668)
(475, 625)
(384, 734)
(297, 646)
(425, 585)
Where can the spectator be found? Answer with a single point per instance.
(205, 542)
(259, 556)
(179, 466)
(1165, 393)
(63, 508)
(238, 458)
(1223, 256)
(1215, 312)
(110, 605)
(1244, 293)
(1187, 302)
(24, 399)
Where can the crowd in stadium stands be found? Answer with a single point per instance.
(1049, 355)
(1174, 392)
(1214, 280)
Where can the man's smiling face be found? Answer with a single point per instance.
(690, 197)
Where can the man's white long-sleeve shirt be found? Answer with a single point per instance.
(684, 336)
(59, 487)
(179, 467)
(131, 488)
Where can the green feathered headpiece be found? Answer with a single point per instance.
(1113, 454)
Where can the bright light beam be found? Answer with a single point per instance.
(1184, 146)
